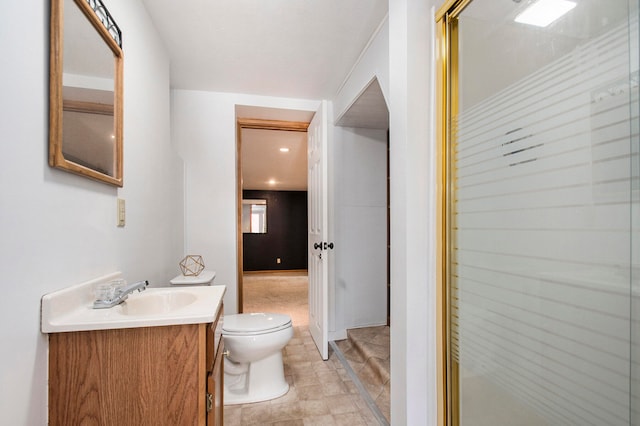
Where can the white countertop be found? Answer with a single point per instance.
(71, 309)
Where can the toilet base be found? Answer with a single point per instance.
(263, 380)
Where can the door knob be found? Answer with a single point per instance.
(317, 246)
(328, 245)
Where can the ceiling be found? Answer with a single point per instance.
(301, 49)
(265, 167)
(289, 48)
(369, 110)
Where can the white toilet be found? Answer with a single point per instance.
(253, 368)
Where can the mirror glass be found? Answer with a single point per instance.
(86, 110)
(254, 216)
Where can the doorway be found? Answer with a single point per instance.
(361, 211)
(359, 224)
(260, 176)
(362, 236)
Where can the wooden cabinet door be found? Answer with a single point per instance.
(215, 389)
(129, 376)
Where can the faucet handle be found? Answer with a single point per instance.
(104, 291)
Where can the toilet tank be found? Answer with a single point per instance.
(204, 278)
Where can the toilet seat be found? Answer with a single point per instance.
(254, 323)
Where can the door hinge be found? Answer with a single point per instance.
(209, 402)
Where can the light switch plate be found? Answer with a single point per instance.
(121, 212)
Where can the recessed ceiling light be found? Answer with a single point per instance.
(272, 182)
(544, 12)
(284, 149)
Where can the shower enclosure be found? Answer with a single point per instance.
(541, 243)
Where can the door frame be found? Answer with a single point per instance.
(260, 124)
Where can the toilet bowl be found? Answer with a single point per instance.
(253, 368)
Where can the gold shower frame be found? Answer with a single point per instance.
(446, 107)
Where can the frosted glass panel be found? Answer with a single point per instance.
(545, 220)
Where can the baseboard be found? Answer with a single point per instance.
(276, 271)
(338, 335)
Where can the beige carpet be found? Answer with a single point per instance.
(279, 292)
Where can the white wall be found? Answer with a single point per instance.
(60, 229)
(372, 63)
(359, 163)
(401, 57)
(413, 192)
(204, 129)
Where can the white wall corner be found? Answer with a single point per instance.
(413, 348)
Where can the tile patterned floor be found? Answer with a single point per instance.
(321, 393)
(368, 352)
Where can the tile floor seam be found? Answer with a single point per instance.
(363, 392)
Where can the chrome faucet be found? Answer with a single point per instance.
(120, 295)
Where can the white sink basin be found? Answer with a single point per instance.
(156, 303)
(71, 309)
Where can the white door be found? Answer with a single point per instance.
(318, 210)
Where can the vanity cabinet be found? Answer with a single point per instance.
(163, 375)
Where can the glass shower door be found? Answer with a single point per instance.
(543, 214)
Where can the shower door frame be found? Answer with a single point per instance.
(446, 107)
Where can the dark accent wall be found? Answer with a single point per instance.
(286, 236)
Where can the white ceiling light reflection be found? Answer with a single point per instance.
(544, 12)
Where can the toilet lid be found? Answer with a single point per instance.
(252, 323)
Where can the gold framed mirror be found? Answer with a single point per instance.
(85, 91)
